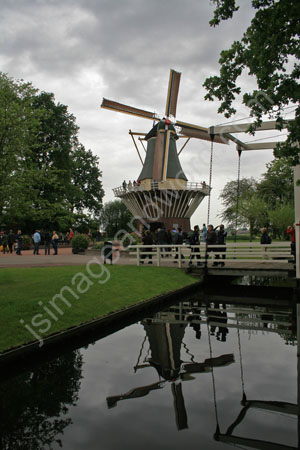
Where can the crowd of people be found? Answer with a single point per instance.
(210, 235)
(134, 185)
(177, 237)
(11, 241)
(130, 185)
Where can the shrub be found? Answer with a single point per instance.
(27, 243)
(135, 239)
(98, 246)
(80, 242)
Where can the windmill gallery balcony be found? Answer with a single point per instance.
(162, 186)
(170, 202)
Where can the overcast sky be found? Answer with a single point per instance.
(84, 50)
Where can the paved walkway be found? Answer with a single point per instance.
(65, 257)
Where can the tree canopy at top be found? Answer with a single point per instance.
(48, 179)
(270, 50)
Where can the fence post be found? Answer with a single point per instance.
(179, 257)
(206, 256)
(158, 256)
(138, 255)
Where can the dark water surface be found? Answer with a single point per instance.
(166, 382)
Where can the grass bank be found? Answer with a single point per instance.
(50, 299)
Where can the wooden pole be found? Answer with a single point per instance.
(141, 141)
(183, 146)
(136, 147)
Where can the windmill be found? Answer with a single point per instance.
(162, 195)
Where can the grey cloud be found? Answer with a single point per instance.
(83, 50)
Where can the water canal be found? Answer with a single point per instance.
(201, 374)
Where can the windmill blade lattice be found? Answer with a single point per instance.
(126, 109)
(172, 96)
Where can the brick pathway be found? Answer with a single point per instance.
(65, 257)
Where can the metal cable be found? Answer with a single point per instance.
(210, 177)
(241, 362)
(212, 372)
(209, 195)
(238, 194)
(265, 138)
(250, 117)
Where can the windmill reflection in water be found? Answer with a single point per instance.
(165, 334)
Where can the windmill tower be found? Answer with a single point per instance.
(163, 196)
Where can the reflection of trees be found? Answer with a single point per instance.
(34, 405)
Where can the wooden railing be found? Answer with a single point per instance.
(277, 252)
(189, 186)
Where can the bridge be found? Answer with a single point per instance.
(229, 259)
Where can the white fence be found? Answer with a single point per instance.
(277, 252)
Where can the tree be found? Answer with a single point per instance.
(115, 217)
(268, 202)
(229, 197)
(280, 218)
(18, 128)
(73, 170)
(253, 210)
(86, 188)
(269, 50)
(49, 179)
(250, 211)
(275, 187)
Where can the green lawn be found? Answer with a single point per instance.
(27, 295)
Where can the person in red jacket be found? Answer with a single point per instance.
(291, 230)
(71, 234)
